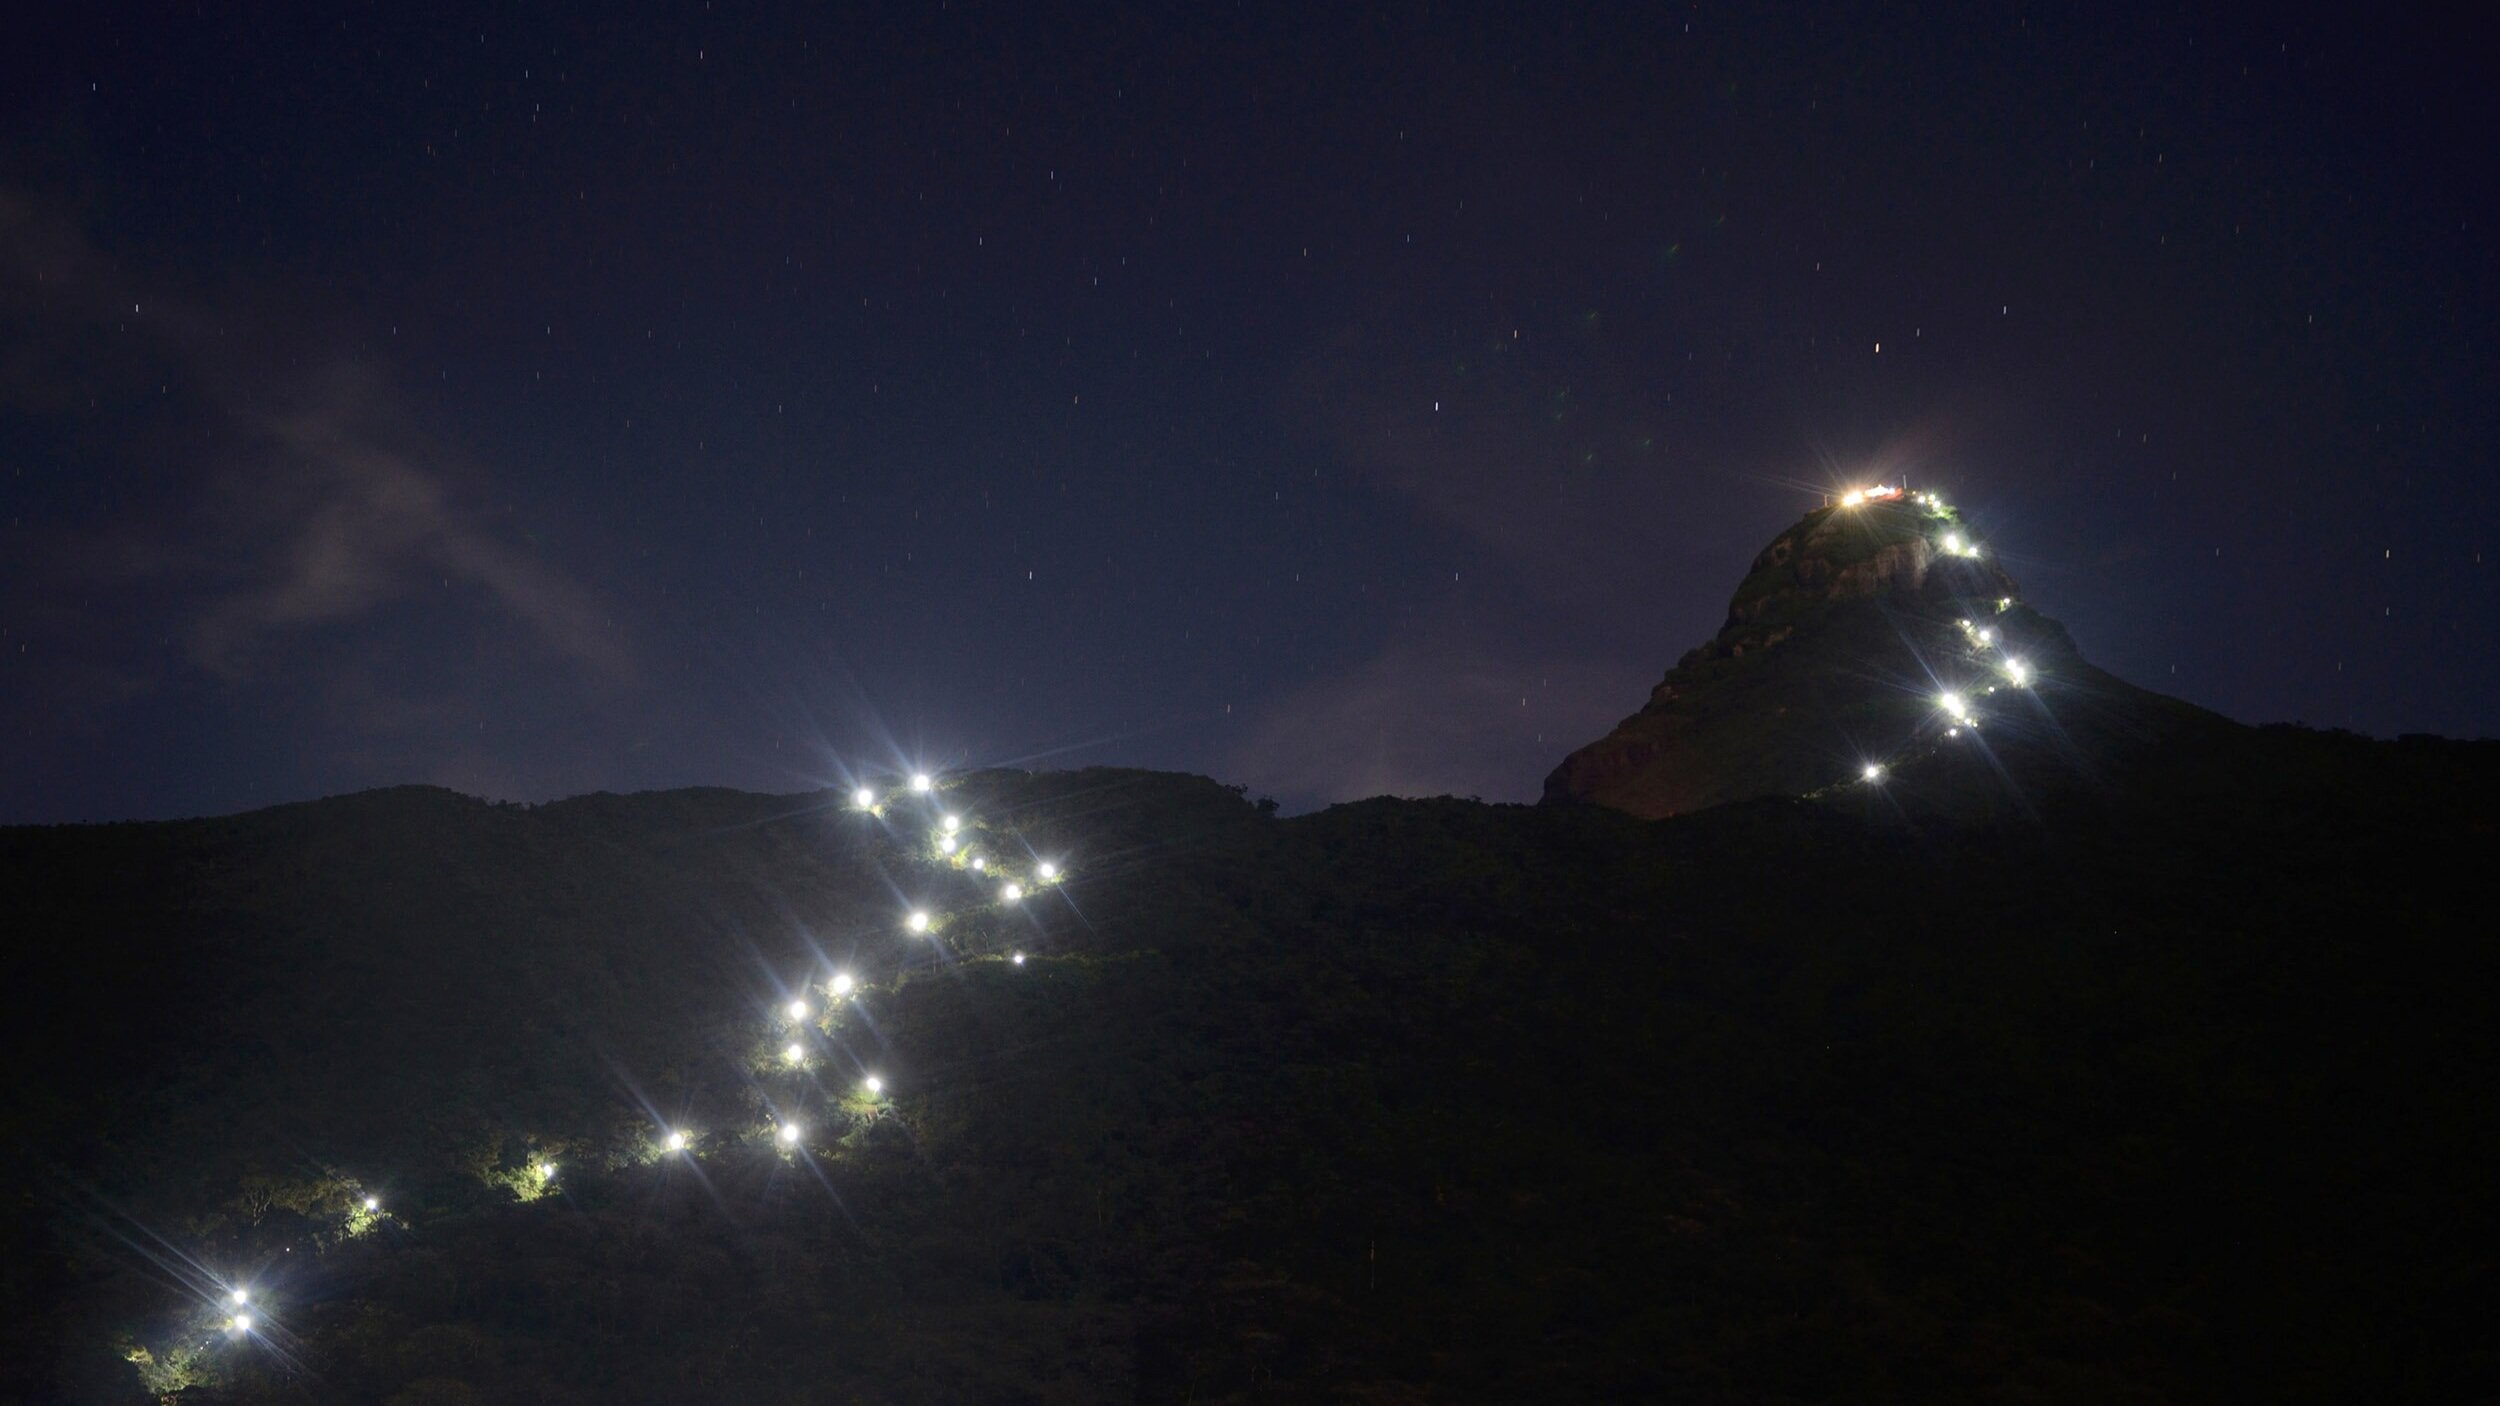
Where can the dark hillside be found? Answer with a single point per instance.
(2179, 1088)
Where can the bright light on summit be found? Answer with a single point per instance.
(842, 983)
(2019, 672)
(239, 1296)
(674, 1142)
(790, 1133)
(1953, 703)
(373, 1203)
(796, 1010)
(1873, 772)
(241, 1323)
(1047, 870)
(864, 798)
(873, 1085)
(918, 921)
(920, 781)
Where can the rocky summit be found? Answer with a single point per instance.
(1874, 642)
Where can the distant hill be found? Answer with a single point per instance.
(2178, 1088)
(1876, 631)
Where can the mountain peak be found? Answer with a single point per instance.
(1873, 631)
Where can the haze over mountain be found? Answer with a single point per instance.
(2094, 1050)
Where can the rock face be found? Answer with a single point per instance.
(1868, 633)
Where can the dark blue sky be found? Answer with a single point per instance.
(1331, 402)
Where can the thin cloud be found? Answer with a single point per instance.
(332, 510)
(360, 524)
(1429, 718)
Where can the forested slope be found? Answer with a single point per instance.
(2179, 1088)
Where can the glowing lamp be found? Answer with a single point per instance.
(797, 1010)
(842, 983)
(2019, 672)
(1853, 497)
(979, 863)
(946, 843)
(241, 1323)
(1009, 893)
(1018, 959)
(918, 921)
(544, 1171)
(674, 1142)
(864, 798)
(790, 1134)
(1953, 703)
(1047, 870)
(793, 1052)
(239, 1296)
(1873, 772)
(952, 823)
(873, 1085)
(920, 781)
(1987, 637)
(373, 1203)
(1953, 543)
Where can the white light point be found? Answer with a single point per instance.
(790, 1134)
(1873, 772)
(946, 843)
(920, 782)
(544, 1171)
(2019, 672)
(1853, 497)
(1018, 959)
(239, 1297)
(1987, 637)
(796, 1010)
(1953, 703)
(952, 823)
(793, 1052)
(1009, 893)
(1953, 543)
(842, 983)
(918, 921)
(674, 1142)
(978, 863)
(864, 798)
(372, 1204)
(241, 1323)
(873, 1085)
(1047, 870)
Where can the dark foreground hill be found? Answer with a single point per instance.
(2178, 1089)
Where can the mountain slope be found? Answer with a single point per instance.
(1405, 1101)
(1866, 634)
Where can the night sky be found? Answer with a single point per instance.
(1331, 401)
